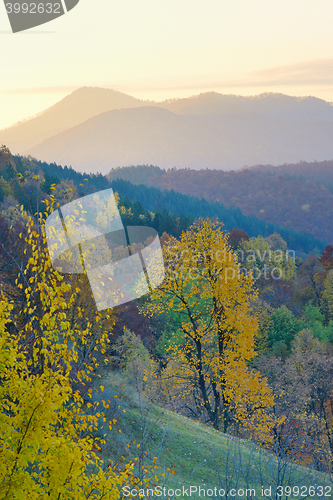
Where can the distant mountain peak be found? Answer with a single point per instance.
(96, 128)
(75, 108)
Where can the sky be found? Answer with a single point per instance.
(158, 50)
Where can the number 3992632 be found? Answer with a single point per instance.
(33, 8)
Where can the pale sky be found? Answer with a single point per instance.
(157, 50)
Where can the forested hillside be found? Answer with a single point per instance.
(156, 200)
(297, 196)
(19, 183)
(319, 172)
(223, 343)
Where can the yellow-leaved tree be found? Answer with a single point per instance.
(50, 438)
(215, 337)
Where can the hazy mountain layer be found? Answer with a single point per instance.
(75, 108)
(269, 104)
(151, 135)
(98, 129)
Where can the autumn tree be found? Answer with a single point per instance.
(307, 286)
(327, 296)
(50, 439)
(48, 443)
(268, 258)
(326, 259)
(303, 390)
(236, 236)
(40, 289)
(216, 333)
(283, 329)
(52, 435)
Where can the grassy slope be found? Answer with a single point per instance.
(200, 455)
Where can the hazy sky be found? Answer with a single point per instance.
(156, 50)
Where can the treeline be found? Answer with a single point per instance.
(136, 174)
(319, 172)
(156, 200)
(273, 195)
(28, 182)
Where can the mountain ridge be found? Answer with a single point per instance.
(97, 129)
(154, 135)
(65, 114)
